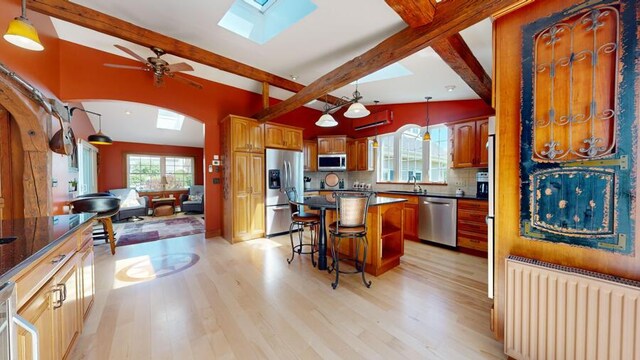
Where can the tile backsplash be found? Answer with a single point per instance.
(464, 179)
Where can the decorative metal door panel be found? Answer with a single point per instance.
(579, 131)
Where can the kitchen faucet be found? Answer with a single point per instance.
(416, 187)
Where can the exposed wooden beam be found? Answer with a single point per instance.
(106, 24)
(414, 12)
(451, 17)
(265, 95)
(455, 52)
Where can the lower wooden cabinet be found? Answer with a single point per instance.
(410, 214)
(58, 307)
(472, 226)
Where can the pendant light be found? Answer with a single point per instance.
(98, 138)
(22, 33)
(427, 136)
(326, 120)
(356, 110)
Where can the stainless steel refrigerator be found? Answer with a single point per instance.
(284, 170)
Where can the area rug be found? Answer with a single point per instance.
(136, 233)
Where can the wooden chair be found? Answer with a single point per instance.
(351, 211)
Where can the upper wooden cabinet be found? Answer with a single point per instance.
(283, 137)
(364, 155)
(332, 145)
(310, 155)
(468, 143)
(352, 155)
(246, 134)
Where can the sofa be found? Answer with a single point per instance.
(194, 201)
(131, 204)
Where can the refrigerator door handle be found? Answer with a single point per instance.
(283, 183)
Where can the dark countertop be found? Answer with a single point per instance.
(330, 203)
(410, 193)
(23, 241)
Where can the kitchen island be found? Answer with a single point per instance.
(385, 232)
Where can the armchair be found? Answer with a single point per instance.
(131, 204)
(194, 201)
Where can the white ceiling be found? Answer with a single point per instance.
(140, 125)
(317, 44)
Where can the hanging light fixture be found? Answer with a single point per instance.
(375, 144)
(427, 136)
(356, 110)
(22, 33)
(326, 120)
(98, 138)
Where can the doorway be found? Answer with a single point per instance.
(88, 168)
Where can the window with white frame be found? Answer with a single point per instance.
(403, 155)
(158, 173)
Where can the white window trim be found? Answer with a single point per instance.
(397, 138)
(162, 168)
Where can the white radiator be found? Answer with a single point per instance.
(558, 312)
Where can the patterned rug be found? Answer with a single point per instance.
(136, 233)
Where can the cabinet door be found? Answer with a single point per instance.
(364, 154)
(293, 139)
(274, 136)
(339, 145)
(310, 156)
(411, 221)
(352, 155)
(67, 316)
(464, 147)
(240, 134)
(256, 199)
(256, 136)
(324, 145)
(87, 286)
(482, 129)
(241, 193)
(39, 312)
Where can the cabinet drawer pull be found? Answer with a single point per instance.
(58, 258)
(58, 303)
(64, 292)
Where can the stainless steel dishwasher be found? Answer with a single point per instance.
(437, 220)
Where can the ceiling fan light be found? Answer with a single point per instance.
(356, 110)
(23, 34)
(326, 120)
(99, 139)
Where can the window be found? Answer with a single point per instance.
(405, 152)
(146, 172)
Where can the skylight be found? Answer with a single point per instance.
(169, 120)
(392, 71)
(262, 20)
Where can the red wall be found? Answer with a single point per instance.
(112, 163)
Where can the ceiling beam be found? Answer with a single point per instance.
(414, 12)
(106, 24)
(451, 17)
(455, 52)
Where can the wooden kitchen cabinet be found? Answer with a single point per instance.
(282, 137)
(310, 152)
(472, 226)
(67, 308)
(248, 196)
(468, 143)
(332, 145)
(410, 214)
(87, 285)
(364, 152)
(39, 312)
(352, 155)
(246, 134)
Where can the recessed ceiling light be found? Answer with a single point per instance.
(450, 88)
(293, 77)
(127, 112)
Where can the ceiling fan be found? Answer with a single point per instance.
(159, 67)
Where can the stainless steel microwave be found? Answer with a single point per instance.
(333, 162)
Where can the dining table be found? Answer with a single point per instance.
(322, 203)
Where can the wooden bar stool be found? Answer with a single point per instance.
(300, 220)
(351, 211)
(105, 205)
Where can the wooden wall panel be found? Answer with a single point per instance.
(508, 69)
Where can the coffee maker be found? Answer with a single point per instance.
(482, 183)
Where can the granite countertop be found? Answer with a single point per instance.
(330, 203)
(408, 193)
(23, 241)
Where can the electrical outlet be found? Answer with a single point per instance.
(460, 183)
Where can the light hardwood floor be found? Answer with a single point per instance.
(244, 301)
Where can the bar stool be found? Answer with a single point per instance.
(351, 209)
(105, 205)
(300, 220)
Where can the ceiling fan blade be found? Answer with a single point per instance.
(186, 81)
(130, 52)
(179, 67)
(129, 67)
